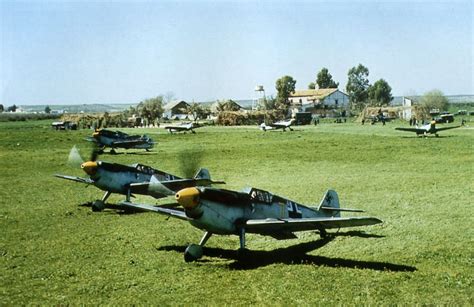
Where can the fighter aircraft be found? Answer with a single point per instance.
(226, 212)
(427, 129)
(117, 139)
(136, 178)
(184, 127)
(278, 125)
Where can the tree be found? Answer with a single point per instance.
(198, 111)
(312, 86)
(1, 108)
(47, 110)
(12, 108)
(380, 93)
(324, 79)
(434, 99)
(285, 86)
(151, 108)
(357, 86)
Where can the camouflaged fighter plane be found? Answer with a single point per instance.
(135, 179)
(184, 127)
(427, 129)
(284, 124)
(225, 212)
(117, 139)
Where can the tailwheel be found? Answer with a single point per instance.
(192, 253)
(98, 206)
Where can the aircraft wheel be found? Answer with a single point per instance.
(323, 234)
(98, 206)
(437, 135)
(192, 253)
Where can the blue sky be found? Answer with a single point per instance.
(64, 52)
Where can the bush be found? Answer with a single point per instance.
(13, 117)
(233, 118)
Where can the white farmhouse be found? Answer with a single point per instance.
(325, 98)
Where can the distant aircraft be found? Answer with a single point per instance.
(117, 139)
(225, 212)
(278, 125)
(182, 127)
(427, 129)
(135, 179)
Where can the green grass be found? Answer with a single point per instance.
(54, 251)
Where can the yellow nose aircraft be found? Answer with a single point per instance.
(135, 179)
(226, 212)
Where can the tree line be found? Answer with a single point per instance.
(359, 89)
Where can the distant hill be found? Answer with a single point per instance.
(245, 103)
(77, 108)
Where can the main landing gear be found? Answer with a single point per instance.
(99, 205)
(194, 251)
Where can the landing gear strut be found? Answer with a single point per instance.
(242, 251)
(194, 251)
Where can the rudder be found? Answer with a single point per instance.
(330, 200)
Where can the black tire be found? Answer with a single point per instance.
(98, 206)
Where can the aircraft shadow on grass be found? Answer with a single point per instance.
(296, 254)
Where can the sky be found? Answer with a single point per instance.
(75, 52)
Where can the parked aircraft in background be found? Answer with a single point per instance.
(184, 127)
(426, 129)
(278, 125)
(117, 139)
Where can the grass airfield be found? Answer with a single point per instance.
(54, 251)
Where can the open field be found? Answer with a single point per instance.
(54, 251)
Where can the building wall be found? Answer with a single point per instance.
(337, 100)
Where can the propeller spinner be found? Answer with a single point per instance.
(188, 198)
(90, 167)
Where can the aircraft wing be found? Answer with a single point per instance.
(446, 128)
(302, 224)
(417, 130)
(178, 128)
(77, 179)
(129, 142)
(157, 209)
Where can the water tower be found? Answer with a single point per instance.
(260, 94)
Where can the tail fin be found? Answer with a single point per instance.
(203, 178)
(330, 200)
(203, 173)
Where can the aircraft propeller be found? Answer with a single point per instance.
(76, 160)
(189, 162)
